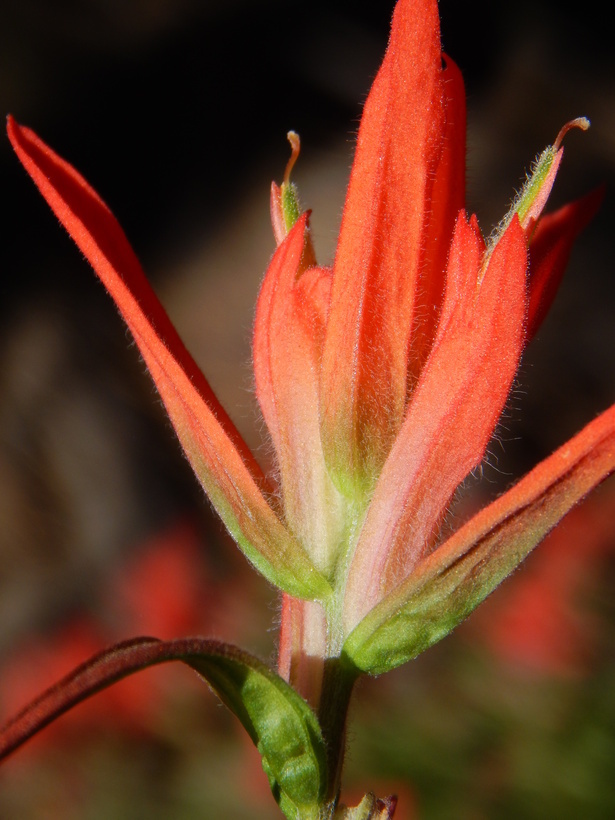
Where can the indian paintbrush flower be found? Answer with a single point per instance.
(381, 380)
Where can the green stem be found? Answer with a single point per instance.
(337, 684)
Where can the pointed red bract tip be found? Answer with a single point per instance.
(222, 461)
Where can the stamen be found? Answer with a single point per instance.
(532, 198)
(295, 144)
(580, 122)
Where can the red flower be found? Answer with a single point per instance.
(381, 379)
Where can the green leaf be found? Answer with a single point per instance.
(279, 721)
(447, 585)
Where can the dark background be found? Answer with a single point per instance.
(176, 111)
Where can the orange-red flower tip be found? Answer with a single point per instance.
(220, 458)
(406, 188)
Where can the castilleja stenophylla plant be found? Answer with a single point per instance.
(381, 380)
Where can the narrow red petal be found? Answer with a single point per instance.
(381, 247)
(222, 461)
(451, 418)
(288, 338)
(447, 199)
(550, 250)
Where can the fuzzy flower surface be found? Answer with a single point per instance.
(381, 378)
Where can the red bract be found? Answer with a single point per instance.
(381, 379)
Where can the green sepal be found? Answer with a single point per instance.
(447, 585)
(538, 176)
(530, 201)
(280, 723)
(440, 594)
(289, 199)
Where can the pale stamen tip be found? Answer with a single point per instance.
(580, 122)
(295, 145)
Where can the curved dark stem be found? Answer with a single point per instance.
(110, 666)
(99, 672)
